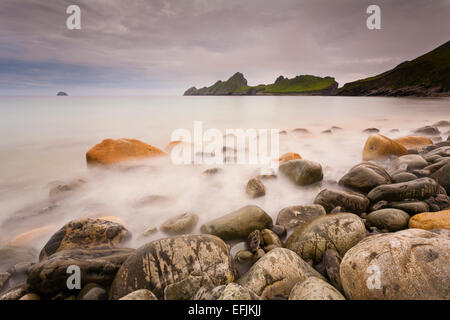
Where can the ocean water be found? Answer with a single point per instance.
(45, 139)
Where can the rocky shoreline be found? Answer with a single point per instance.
(383, 232)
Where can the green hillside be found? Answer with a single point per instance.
(300, 85)
(427, 75)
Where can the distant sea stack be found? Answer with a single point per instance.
(425, 76)
(62, 94)
(300, 85)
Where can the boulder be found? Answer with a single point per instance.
(294, 216)
(315, 289)
(389, 219)
(414, 142)
(405, 265)
(339, 231)
(403, 177)
(418, 189)
(255, 188)
(442, 176)
(365, 176)
(409, 163)
(110, 152)
(276, 273)
(431, 220)
(288, 157)
(96, 265)
(238, 224)
(86, 233)
(349, 201)
(160, 263)
(378, 146)
(411, 207)
(181, 224)
(142, 294)
(302, 172)
(428, 130)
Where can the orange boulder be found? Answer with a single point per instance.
(378, 146)
(288, 157)
(412, 142)
(431, 220)
(111, 151)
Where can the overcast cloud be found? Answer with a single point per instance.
(166, 46)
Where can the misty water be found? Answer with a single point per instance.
(44, 142)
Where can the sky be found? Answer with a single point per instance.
(163, 47)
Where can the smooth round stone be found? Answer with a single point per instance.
(408, 163)
(349, 201)
(378, 147)
(31, 296)
(270, 240)
(181, 224)
(339, 231)
(276, 273)
(418, 189)
(403, 177)
(411, 207)
(431, 220)
(364, 177)
(315, 289)
(238, 224)
(294, 216)
(406, 265)
(390, 219)
(302, 172)
(255, 189)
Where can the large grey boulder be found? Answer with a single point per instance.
(408, 264)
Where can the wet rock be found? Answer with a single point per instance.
(411, 207)
(407, 163)
(371, 130)
(142, 294)
(428, 130)
(418, 189)
(238, 224)
(364, 177)
(442, 151)
(414, 142)
(302, 172)
(348, 200)
(255, 188)
(86, 233)
(211, 172)
(379, 205)
(378, 147)
(332, 262)
(438, 164)
(160, 263)
(186, 288)
(431, 220)
(339, 231)
(442, 176)
(181, 224)
(294, 216)
(96, 265)
(390, 219)
(62, 191)
(315, 289)
(438, 202)
(405, 265)
(111, 151)
(270, 240)
(288, 157)
(92, 291)
(280, 231)
(15, 293)
(403, 177)
(421, 173)
(276, 273)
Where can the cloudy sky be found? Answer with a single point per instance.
(140, 47)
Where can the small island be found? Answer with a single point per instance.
(237, 86)
(62, 94)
